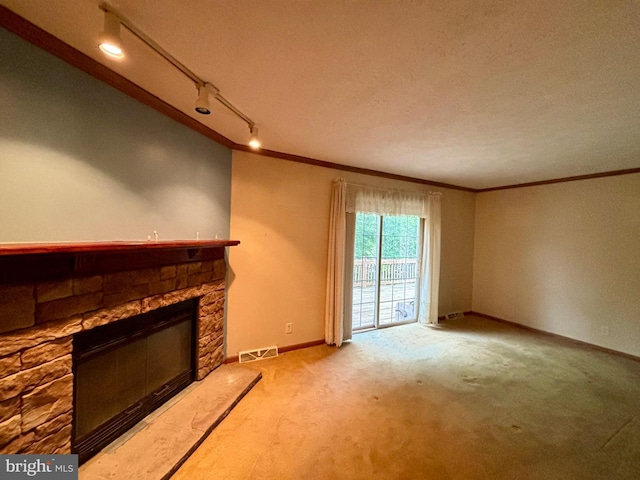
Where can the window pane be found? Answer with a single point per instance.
(365, 270)
(399, 266)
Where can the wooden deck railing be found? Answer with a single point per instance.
(397, 270)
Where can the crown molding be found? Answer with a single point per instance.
(575, 178)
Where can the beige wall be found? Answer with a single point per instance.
(280, 213)
(563, 258)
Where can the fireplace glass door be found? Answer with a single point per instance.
(125, 370)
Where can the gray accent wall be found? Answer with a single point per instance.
(82, 161)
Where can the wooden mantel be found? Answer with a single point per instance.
(28, 262)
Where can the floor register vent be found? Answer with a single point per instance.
(259, 354)
(453, 316)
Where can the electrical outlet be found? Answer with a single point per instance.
(604, 330)
(288, 328)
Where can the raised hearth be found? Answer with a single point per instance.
(62, 290)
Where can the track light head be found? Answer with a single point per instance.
(254, 142)
(109, 40)
(202, 103)
(205, 91)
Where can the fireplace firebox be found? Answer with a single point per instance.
(125, 370)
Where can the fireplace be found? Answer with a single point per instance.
(68, 308)
(125, 370)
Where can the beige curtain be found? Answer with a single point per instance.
(382, 201)
(338, 306)
(430, 266)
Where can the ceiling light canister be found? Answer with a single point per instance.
(254, 142)
(109, 41)
(202, 103)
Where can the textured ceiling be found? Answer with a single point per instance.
(477, 93)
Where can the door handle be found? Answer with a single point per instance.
(133, 409)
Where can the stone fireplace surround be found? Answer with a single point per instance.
(76, 287)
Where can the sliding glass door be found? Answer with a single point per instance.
(385, 270)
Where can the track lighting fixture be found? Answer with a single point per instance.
(203, 105)
(109, 40)
(254, 142)
(111, 44)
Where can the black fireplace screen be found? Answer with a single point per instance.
(127, 369)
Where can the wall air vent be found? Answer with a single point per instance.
(258, 354)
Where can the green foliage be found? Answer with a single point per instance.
(400, 236)
(367, 235)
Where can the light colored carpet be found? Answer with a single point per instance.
(469, 399)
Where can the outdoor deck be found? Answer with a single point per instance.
(398, 300)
